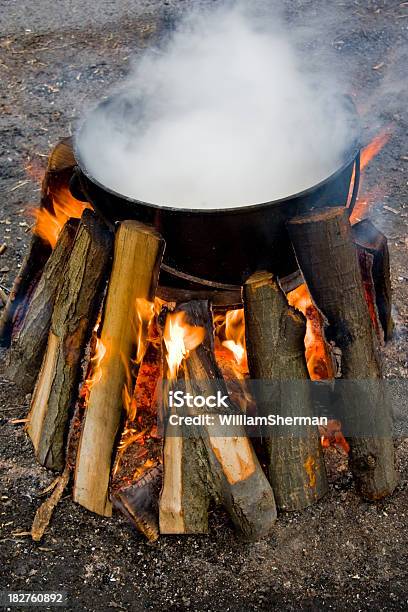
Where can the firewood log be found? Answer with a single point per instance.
(74, 316)
(139, 502)
(276, 356)
(23, 287)
(137, 258)
(327, 256)
(225, 463)
(370, 240)
(60, 165)
(29, 343)
(184, 498)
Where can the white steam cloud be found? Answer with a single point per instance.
(225, 115)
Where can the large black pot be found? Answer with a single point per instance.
(225, 246)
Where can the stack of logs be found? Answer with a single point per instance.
(94, 276)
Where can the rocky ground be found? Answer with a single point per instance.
(57, 58)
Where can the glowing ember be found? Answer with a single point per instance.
(49, 224)
(180, 338)
(318, 358)
(332, 436)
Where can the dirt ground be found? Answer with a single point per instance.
(57, 58)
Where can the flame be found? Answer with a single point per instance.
(145, 332)
(230, 334)
(365, 200)
(180, 338)
(144, 314)
(94, 372)
(374, 147)
(50, 223)
(235, 335)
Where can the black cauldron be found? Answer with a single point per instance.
(220, 247)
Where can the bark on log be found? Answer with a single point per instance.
(28, 345)
(24, 284)
(184, 498)
(227, 466)
(60, 164)
(137, 258)
(370, 240)
(327, 256)
(76, 308)
(275, 335)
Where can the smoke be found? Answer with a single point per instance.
(226, 113)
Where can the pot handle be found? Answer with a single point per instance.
(357, 174)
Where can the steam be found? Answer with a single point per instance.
(226, 114)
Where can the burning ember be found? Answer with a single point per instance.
(50, 223)
(318, 358)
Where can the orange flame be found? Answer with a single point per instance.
(374, 147)
(49, 224)
(94, 368)
(235, 335)
(365, 200)
(144, 314)
(143, 324)
(180, 338)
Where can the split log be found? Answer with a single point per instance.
(275, 335)
(184, 498)
(139, 502)
(28, 345)
(225, 463)
(371, 241)
(23, 287)
(137, 258)
(76, 308)
(327, 256)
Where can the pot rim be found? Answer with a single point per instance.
(350, 157)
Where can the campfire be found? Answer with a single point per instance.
(102, 338)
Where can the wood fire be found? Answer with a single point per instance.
(103, 324)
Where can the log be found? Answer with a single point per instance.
(366, 261)
(75, 312)
(184, 498)
(137, 258)
(327, 256)
(370, 240)
(275, 335)
(139, 502)
(59, 168)
(227, 466)
(24, 285)
(29, 344)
